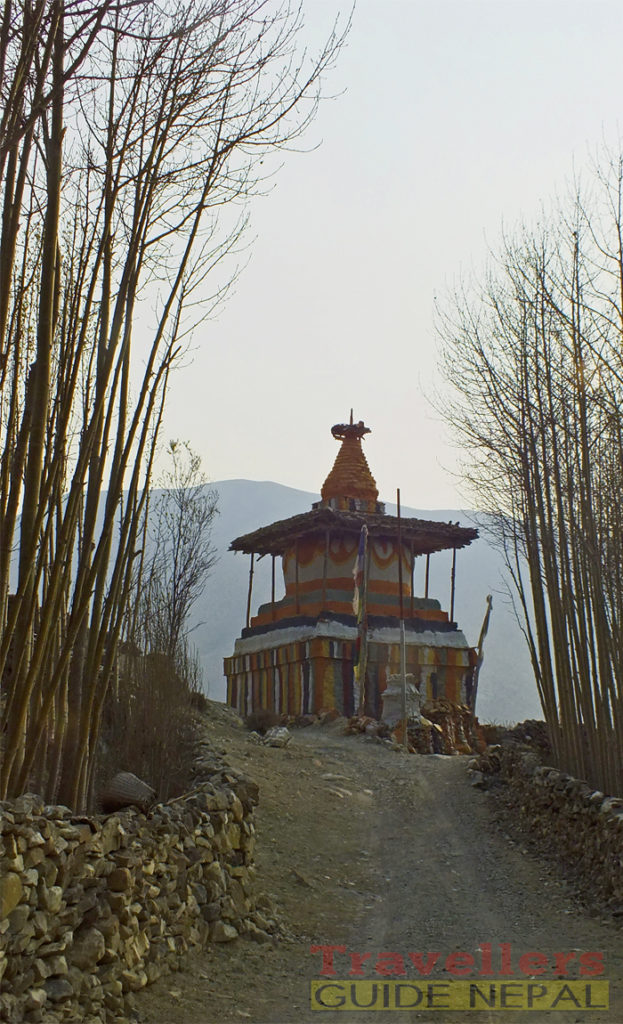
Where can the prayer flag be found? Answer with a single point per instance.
(359, 570)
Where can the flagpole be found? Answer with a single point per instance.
(403, 642)
(360, 610)
(364, 630)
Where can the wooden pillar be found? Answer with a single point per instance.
(296, 576)
(272, 588)
(427, 575)
(250, 590)
(452, 584)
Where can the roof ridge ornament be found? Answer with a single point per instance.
(341, 431)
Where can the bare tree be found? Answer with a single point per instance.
(535, 361)
(181, 554)
(139, 125)
(148, 714)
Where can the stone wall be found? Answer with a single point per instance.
(582, 826)
(93, 909)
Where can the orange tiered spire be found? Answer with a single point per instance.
(350, 479)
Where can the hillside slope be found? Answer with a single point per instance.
(506, 691)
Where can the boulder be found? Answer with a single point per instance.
(221, 932)
(278, 736)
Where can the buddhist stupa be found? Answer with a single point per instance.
(297, 654)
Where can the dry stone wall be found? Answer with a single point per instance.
(581, 825)
(93, 909)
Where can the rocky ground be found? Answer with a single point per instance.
(378, 851)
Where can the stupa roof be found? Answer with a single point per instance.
(425, 535)
(349, 499)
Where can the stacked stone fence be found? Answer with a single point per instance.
(581, 826)
(94, 909)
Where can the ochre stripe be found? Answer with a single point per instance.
(346, 583)
(314, 608)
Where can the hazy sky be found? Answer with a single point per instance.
(455, 117)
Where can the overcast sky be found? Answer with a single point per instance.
(454, 117)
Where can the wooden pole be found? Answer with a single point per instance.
(427, 575)
(272, 588)
(250, 590)
(399, 554)
(363, 651)
(452, 584)
(403, 642)
(480, 654)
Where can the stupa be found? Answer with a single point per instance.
(302, 654)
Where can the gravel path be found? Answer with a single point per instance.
(380, 852)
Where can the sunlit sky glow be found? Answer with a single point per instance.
(450, 119)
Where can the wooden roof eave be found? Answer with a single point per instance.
(427, 536)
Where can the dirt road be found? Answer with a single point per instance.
(384, 853)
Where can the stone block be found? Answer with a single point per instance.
(33, 857)
(51, 898)
(11, 892)
(88, 948)
(19, 917)
(214, 873)
(58, 989)
(132, 981)
(36, 999)
(222, 932)
(48, 872)
(56, 965)
(120, 880)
